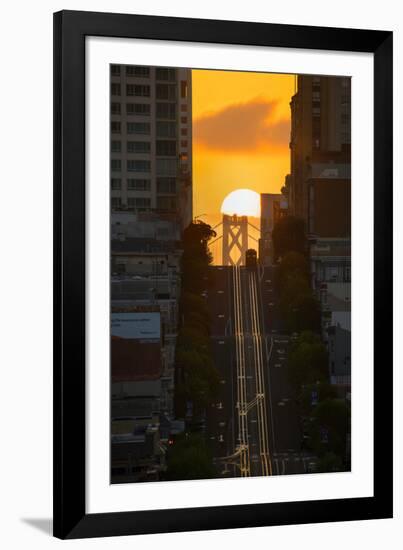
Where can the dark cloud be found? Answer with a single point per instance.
(242, 127)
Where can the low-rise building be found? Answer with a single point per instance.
(331, 281)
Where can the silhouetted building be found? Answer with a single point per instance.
(320, 146)
(273, 206)
(318, 189)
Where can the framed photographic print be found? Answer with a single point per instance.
(223, 274)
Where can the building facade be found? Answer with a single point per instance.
(318, 190)
(151, 204)
(151, 140)
(320, 142)
(273, 206)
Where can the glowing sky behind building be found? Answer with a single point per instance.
(241, 132)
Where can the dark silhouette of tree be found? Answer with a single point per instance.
(307, 361)
(196, 378)
(332, 420)
(293, 265)
(190, 458)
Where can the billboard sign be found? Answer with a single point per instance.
(136, 325)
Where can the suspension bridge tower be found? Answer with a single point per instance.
(234, 239)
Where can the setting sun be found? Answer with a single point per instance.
(243, 202)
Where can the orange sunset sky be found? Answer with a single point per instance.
(241, 131)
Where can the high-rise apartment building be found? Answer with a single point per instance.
(151, 140)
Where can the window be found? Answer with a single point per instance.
(138, 184)
(165, 73)
(184, 143)
(133, 70)
(115, 108)
(166, 185)
(166, 110)
(184, 88)
(166, 148)
(184, 132)
(116, 165)
(166, 129)
(138, 146)
(166, 91)
(115, 70)
(116, 202)
(166, 167)
(116, 184)
(115, 127)
(115, 88)
(184, 107)
(138, 165)
(142, 109)
(116, 146)
(138, 127)
(139, 202)
(184, 119)
(139, 90)
(166, 203)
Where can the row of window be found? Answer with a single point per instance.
(162, 91)
(132, 202)
(143, 203)
(131, 127)
(165, 167)
(163, 128)
(164, 148)
(132, 165)
(142, 109)
(161, 73)
(132, 146)
(164, 184)
(133, 184)
(131, 70)
(164, 110)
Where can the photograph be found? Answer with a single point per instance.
(230, 273)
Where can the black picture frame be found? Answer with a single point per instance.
(70, 517)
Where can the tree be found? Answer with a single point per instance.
(297, 305)
(330, 462)
(190, 458)
(333, 416)
(321, 391)
(196, 377)
(293, 265)
(307, 361)
(196, 256)
(289, 236)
